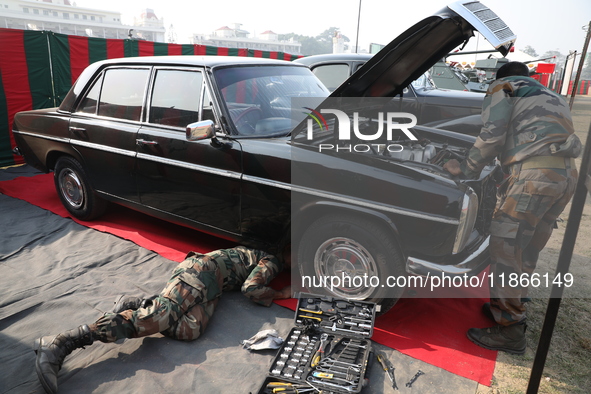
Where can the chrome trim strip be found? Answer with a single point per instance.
(267, 182)
(104, 148)
(58, 139)
(190, 166)
(262, 181)
(350, 200)
(417, 266)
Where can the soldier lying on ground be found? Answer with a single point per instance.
(181, 311)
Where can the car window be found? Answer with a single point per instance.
(332, 75)
(176, 97)
(123, 92)
(89, 103)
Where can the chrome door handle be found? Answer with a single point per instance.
(144, 142)
(77, 129)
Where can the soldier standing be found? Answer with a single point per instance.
(530, 129)
(181, 311)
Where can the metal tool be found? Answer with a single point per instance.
(347, 344)
(310, 311)
(350, 387)
(410, 382)
(359, 320)
(331, 376)
(330, 360)
(334, 328)
(310, 317)
(318, 356)
(355, 324)
(339, 373)
(287, 388)
(388, 368)
(332, 366)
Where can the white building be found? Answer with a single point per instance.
(235, 37)
(64, 16)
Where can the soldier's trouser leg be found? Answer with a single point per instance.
(139, 323)
(181, 311)
(193, 322)
(529, 203)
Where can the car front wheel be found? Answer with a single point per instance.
(75, 191)
(354, 255)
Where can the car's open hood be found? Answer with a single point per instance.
(420, 47)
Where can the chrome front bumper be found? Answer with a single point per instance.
(475, 263)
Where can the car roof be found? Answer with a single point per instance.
(192, 60)
(330, 57)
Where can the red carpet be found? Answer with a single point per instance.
(431, 330)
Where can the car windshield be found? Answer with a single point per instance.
(258, 98)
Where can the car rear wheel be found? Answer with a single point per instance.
(75, 191)
(343, 246)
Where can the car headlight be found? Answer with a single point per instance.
(467, 220)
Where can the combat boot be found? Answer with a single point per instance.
(51, 352)
(510, 339)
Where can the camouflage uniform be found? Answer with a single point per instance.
(184, 307)
(524, 123)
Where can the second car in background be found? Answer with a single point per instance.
(431, 105)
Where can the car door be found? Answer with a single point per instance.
(195, 181)
(104, 126)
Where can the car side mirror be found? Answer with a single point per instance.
(200, 130)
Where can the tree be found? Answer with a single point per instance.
(586, 73)
(318, 45)
(560, 58)
(530, 51)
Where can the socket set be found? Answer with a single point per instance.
(327, 350)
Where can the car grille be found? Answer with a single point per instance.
(496, 32)
(490, 20)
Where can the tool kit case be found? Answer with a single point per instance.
(327, 350)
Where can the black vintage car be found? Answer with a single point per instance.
(207, 142)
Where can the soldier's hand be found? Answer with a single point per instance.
(453, 167)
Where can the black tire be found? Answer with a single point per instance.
(343, 244)
(75, 191)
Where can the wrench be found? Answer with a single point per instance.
(330, 367)
(333, 361)
(410, 382)
(330, 376)
(334, 328)
(341, 387)
(347, 344)
(320, 351)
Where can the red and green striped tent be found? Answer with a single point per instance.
(37, 69)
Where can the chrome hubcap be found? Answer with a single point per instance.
(350, 262)
(71, 188)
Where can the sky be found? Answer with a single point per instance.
(543, 25)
